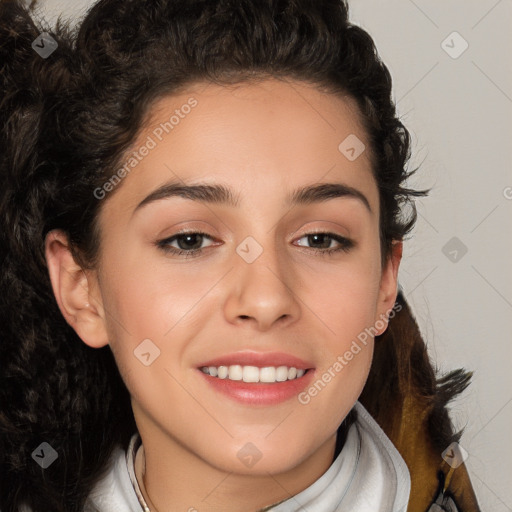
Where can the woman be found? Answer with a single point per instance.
(145, 370)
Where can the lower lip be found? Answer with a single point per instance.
(259, 393)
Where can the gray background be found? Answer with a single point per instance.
(458, 111)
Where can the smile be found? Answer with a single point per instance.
(253, 374)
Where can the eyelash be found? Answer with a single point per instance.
(345, 244)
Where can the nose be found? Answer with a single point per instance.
(264, 292)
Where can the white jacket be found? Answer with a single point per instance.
(368, 475)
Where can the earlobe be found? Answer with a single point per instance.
(389, 286)
(72, 292)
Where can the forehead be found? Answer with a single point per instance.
(269, 137)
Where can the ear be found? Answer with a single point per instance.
(74, 290)
(388, 286)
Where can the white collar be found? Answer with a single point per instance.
(368, 475)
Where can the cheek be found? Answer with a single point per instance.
(149, 298)
(345, 304)
(344, 300)
(163, 303)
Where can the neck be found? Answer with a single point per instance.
(214, 490)
(196, 485)
(230, 492)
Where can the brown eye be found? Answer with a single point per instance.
(325, 240)
(188, 243)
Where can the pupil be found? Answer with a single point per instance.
(188, 237)
(316, 236)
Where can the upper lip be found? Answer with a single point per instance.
(259, 359)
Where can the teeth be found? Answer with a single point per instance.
(282, 374)
(250, 374)
(253, 373)
(268, 374)
(235, 372)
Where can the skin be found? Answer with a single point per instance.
(263, 141)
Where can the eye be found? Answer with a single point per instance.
(189, 243)
(325, 239)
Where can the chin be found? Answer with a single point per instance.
(258, 458)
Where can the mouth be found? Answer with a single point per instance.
(254, 374)
(253, 378)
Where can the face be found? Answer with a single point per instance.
(253, 277)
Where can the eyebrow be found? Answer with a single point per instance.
(220, 194)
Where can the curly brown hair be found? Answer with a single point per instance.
(66, 122)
